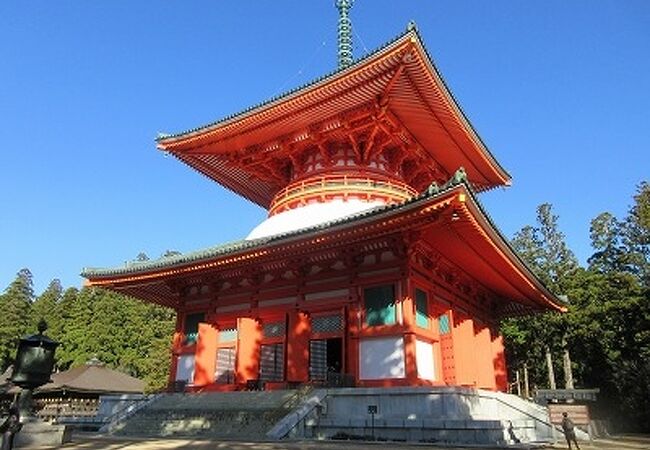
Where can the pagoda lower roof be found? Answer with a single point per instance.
(398, 82)
(464, 235)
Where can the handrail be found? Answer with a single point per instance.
(126, 412)
(333, 183)
(548, 424)
(280, 431)
(346, 180)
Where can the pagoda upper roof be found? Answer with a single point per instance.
(469, 240)
(398, 80)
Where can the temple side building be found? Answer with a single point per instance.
(377, 264)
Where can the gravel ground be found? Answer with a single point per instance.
(81, 442)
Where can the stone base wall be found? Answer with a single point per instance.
(452, 415)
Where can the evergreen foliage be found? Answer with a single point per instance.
(124, 333)
(607, 326)
(15, 305)
(45, 307)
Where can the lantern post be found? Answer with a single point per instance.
(33, 367)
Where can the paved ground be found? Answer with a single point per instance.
(637, 442)
(103, 443)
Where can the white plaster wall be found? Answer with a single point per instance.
(185, 368)
(424, 360)
(310, 215)
(381, 358)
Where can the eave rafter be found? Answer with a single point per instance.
(287, 151)
(252, 163)
(420, 96)
(369, 130)
(475, 295)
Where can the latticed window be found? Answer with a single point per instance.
(228, 335)
(421, 309)
(443, 324)
(272, 362)
(225, 372)
(275, 329)
(380, 305)
(327, 324)
(318, 359)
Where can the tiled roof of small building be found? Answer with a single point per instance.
(94, 377)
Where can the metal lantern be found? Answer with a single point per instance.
(34, 360)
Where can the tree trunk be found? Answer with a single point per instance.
(568, 372)
(549, 366)
(526, 387)
(518, 384)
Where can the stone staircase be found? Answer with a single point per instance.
(443, 415)
(223, 415)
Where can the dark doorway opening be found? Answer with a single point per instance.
(325, 357)
(335, 355)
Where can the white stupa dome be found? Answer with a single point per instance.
(310, 215)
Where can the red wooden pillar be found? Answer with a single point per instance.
(298, 347)
(248, 350)
(408, 314)
(438, 366)
(484, 363)
(437, 362)
(352, 340)
(205, 358)
(499, 363)
(176, 344)
(464, 355)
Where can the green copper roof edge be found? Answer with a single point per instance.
(163, 136)
(231, 247)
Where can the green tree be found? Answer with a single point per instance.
(76, 311)
(607, 326)
(636, 234)
(64, 313)
(46, 307)
(544, 250)
(15, 305)
(606, 240)
(122, 332)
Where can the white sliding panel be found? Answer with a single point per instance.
(381, 358)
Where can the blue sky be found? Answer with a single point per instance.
(557, 89)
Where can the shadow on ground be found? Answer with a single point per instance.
(81, 442)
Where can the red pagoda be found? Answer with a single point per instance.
(376, 266)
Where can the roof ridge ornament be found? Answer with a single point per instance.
(344, 33)
(459, 177)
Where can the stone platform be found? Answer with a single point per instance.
(35, 434)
